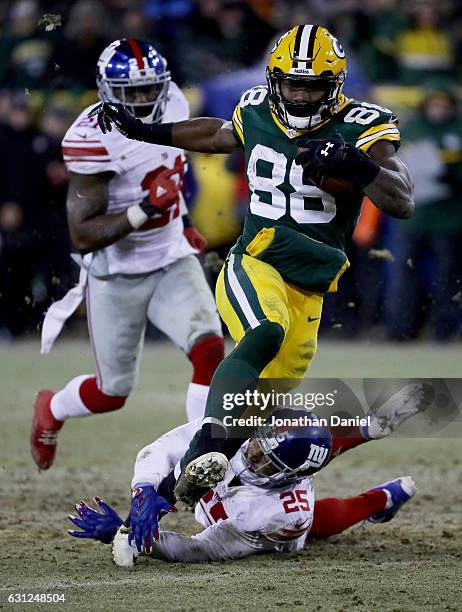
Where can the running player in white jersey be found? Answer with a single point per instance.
(266, 502)
(128, 218)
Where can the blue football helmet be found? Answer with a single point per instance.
(133, 73)
(293, 451)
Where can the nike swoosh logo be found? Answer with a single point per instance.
(311, 319)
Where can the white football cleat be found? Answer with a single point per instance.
(201, 473)
(123, 553)
(411, 399)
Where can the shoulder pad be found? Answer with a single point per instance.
(177, 108)
(372, 123)
(253, 96)
(84, 147)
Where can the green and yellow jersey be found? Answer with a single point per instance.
(299, 229)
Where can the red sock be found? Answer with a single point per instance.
(205, 356)
(332, 515)
(345, 438)
(95, 400)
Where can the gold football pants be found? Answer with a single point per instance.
(249, 292)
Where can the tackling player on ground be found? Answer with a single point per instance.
(311, 156)
(266, 502)
(127, 213)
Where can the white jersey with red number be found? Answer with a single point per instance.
(238, 520)
(160, 241)
(267, 519)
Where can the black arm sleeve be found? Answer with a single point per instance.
(155, 133)
(166, 488)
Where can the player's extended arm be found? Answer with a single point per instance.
(155, 461)
(219, 542)
(203, 135)
(391, 190)
(91, 228)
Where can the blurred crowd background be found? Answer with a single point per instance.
(405, 279)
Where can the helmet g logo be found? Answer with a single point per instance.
(338, 49)
(279, 40)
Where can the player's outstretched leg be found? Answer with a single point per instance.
(378, 505)
(80, 397)
(206, 461)
(411, 399)
(398, 492)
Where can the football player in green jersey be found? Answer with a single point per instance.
(311, 156)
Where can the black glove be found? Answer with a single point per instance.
(334, 158)
(319, 158)
(112, 113)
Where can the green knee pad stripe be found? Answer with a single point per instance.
(242, 294)
(233, 301)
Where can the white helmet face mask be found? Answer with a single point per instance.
(156, 90)
(247, 474)
(304, 121)
(243, 470)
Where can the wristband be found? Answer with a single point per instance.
(139, 485)
(136, 216)
(155, 133)
(362, 168)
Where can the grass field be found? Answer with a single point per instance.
(413, 563)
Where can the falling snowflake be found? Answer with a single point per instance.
(384, 254)
(213, 261)
(49, 21)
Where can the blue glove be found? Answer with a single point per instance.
(144, 516)
(96, 525)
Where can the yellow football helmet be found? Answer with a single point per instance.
(308, 54)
